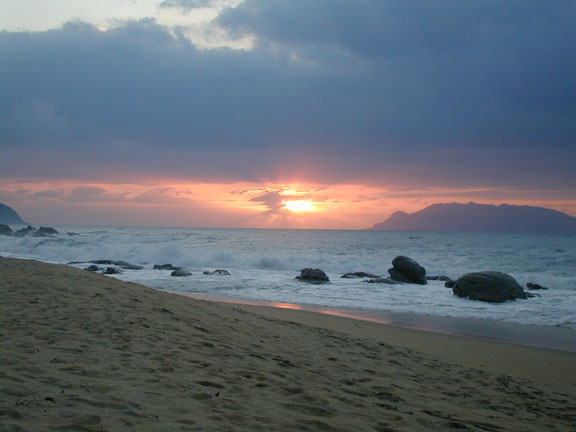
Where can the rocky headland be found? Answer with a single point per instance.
(473, 217)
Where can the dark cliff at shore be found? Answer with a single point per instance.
(8, 216)
(474, 217)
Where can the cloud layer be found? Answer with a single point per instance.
(389, 92)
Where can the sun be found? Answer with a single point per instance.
(298, 205)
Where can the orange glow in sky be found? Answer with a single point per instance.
(241, 205)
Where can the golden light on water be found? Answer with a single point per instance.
(298, 205)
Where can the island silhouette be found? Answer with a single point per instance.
(474, 217)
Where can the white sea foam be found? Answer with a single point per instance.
(264, 263)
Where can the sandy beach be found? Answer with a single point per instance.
(86, 352)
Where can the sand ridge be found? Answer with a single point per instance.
(85, 352)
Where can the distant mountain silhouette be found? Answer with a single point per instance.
(473, 217)
(8, 216)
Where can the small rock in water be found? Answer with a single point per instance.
(359, 275)
(535, 286)
(382, 280)
(93, 268)
(166, 267)
(122, 264)
(450, 284)
(220, 272)
(111, 270)
(180, 273)
(311, 275)
(438, 278)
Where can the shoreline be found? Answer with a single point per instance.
(530, 335)
(556, 338)
(89, 352)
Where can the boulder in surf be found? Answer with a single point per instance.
(407, 270)
(311, 275)
(488, 286)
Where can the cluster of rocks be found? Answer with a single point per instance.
(28, 231)
(181, 272)
(114, 266)
(488, 286)
(176, 271)
(404, 270)
(121, 264)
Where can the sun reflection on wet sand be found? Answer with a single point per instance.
(540, 336)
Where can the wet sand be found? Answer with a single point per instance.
(85, 352)
(559, 338)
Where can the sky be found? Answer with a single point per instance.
(283, 113)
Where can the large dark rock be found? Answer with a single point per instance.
(359, 275)
(407, 270)
(311, 275)
(6, 230)
(488, 286)
(181, 273)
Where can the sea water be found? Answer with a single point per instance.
(263, 265)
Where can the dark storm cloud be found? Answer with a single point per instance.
(438, 92)
(273, 200)
(392, 28)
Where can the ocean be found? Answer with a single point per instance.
(263, 265)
